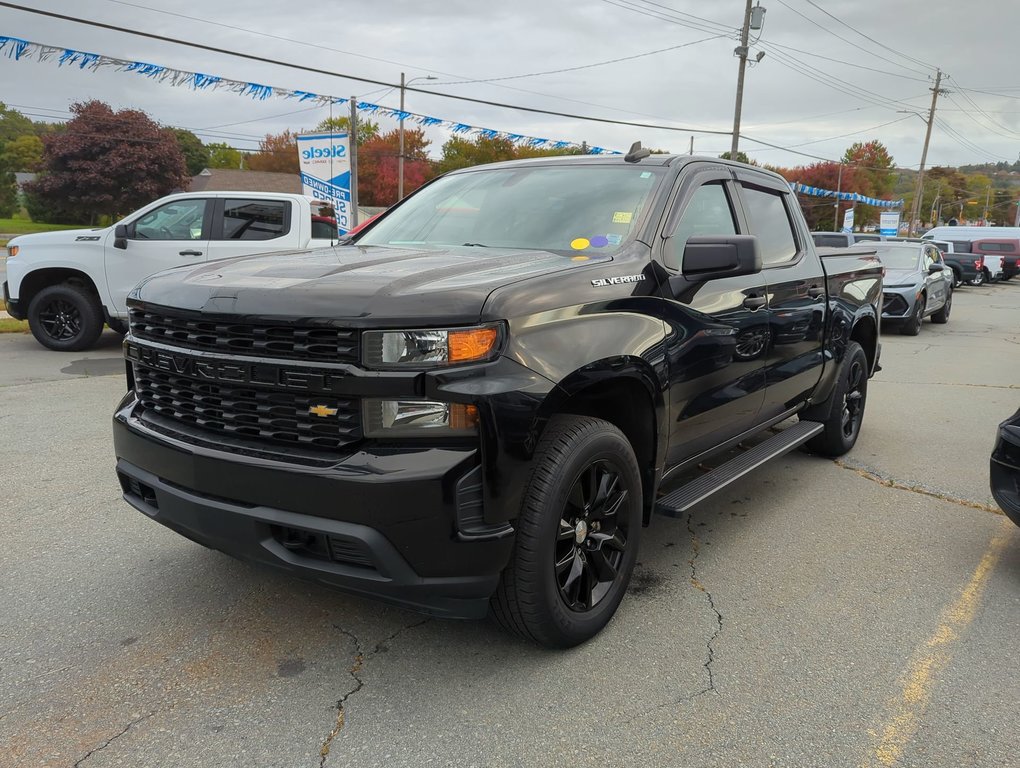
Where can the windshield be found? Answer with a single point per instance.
(897, 256)
(551, 208)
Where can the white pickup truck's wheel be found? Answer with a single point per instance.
(65, 317)
(577, 535)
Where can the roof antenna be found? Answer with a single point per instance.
(636, 153)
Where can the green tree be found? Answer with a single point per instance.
(873, 176)
(222, 155)
(13, 124)
(367, 130)
(24, 153)
(8, 189)
(196, 154)
(106, 163)
(740, 158)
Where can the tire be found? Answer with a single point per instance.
(979, 278)
(912, 326)
(942, 316)
(556, 590)
(65, 317)
(957, 281)
(843, 413)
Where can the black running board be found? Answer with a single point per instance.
(677, 502)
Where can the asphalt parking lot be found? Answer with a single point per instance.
(863, 612)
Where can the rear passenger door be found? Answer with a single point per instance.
(250, 225)
(795, 283)
(717, 330)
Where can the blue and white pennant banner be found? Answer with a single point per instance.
(853, 197)
(17, 49)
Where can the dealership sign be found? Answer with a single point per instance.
(889, 223)
(326, 172)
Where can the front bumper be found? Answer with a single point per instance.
(383, 523)
(13, 306)
(898, 303)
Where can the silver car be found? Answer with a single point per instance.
(918, 284)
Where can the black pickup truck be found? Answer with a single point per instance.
(477, 403)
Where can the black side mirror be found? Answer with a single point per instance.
(707, 258)
(120, 236)
(934, 268)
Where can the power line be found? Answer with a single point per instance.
(845, 63)
(668, 16)
(582, 66)
(876, 42)
(306, 43)
(356, 78)
(848, 42)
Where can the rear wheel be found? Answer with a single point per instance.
(843, 412)
(979, 278)
(957, 282)
(577, 535)
(65, 317)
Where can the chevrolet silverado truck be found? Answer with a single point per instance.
(69, 283)
(478, 401)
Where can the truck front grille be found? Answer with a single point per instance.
(229, 336)
(265, 415)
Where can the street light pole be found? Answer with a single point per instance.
(400, 131)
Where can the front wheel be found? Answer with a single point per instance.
(843, 412)
(942, 316)
(912, 326)
(957, 282)
(577, 535)
(65, 317)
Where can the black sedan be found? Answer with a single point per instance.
(1005, 470)
(918, 284)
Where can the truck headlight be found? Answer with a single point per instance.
(418, 418)
(430, 348)
(12, 251)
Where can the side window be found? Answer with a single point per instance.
(179, 220)
(770, 221)
(254, 219)
(708, 212)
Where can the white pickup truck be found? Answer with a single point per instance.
(69, 283)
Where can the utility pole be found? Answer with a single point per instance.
(916, 208)
(988, 196)
(742, 54)
(353, 139)
(692, 146)
(839, 188)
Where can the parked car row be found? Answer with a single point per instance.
(973, 256)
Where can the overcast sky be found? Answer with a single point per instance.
(863, 84)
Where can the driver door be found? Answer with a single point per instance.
(170, 235)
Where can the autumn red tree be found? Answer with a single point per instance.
(105, 163)
(277, 152)
(378, 164)
(820, 212)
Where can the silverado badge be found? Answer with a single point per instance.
(322, 411)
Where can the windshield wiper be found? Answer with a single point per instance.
(475, 245)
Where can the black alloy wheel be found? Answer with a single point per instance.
(592, 537)
(979, 278)
(65, 317)
(577, 534)
(912, 326)
(842, 413)
(60, 319)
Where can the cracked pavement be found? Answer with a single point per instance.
(774, 626)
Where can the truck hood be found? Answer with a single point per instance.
(59, 237)
(369, 285)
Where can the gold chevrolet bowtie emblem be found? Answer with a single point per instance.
(322, 411)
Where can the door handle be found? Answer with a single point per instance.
(815, 291)
(191, 253)
(755, 302)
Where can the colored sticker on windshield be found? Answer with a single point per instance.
(599, 241)
(580, 243)
(622, 217)
(614, 239)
